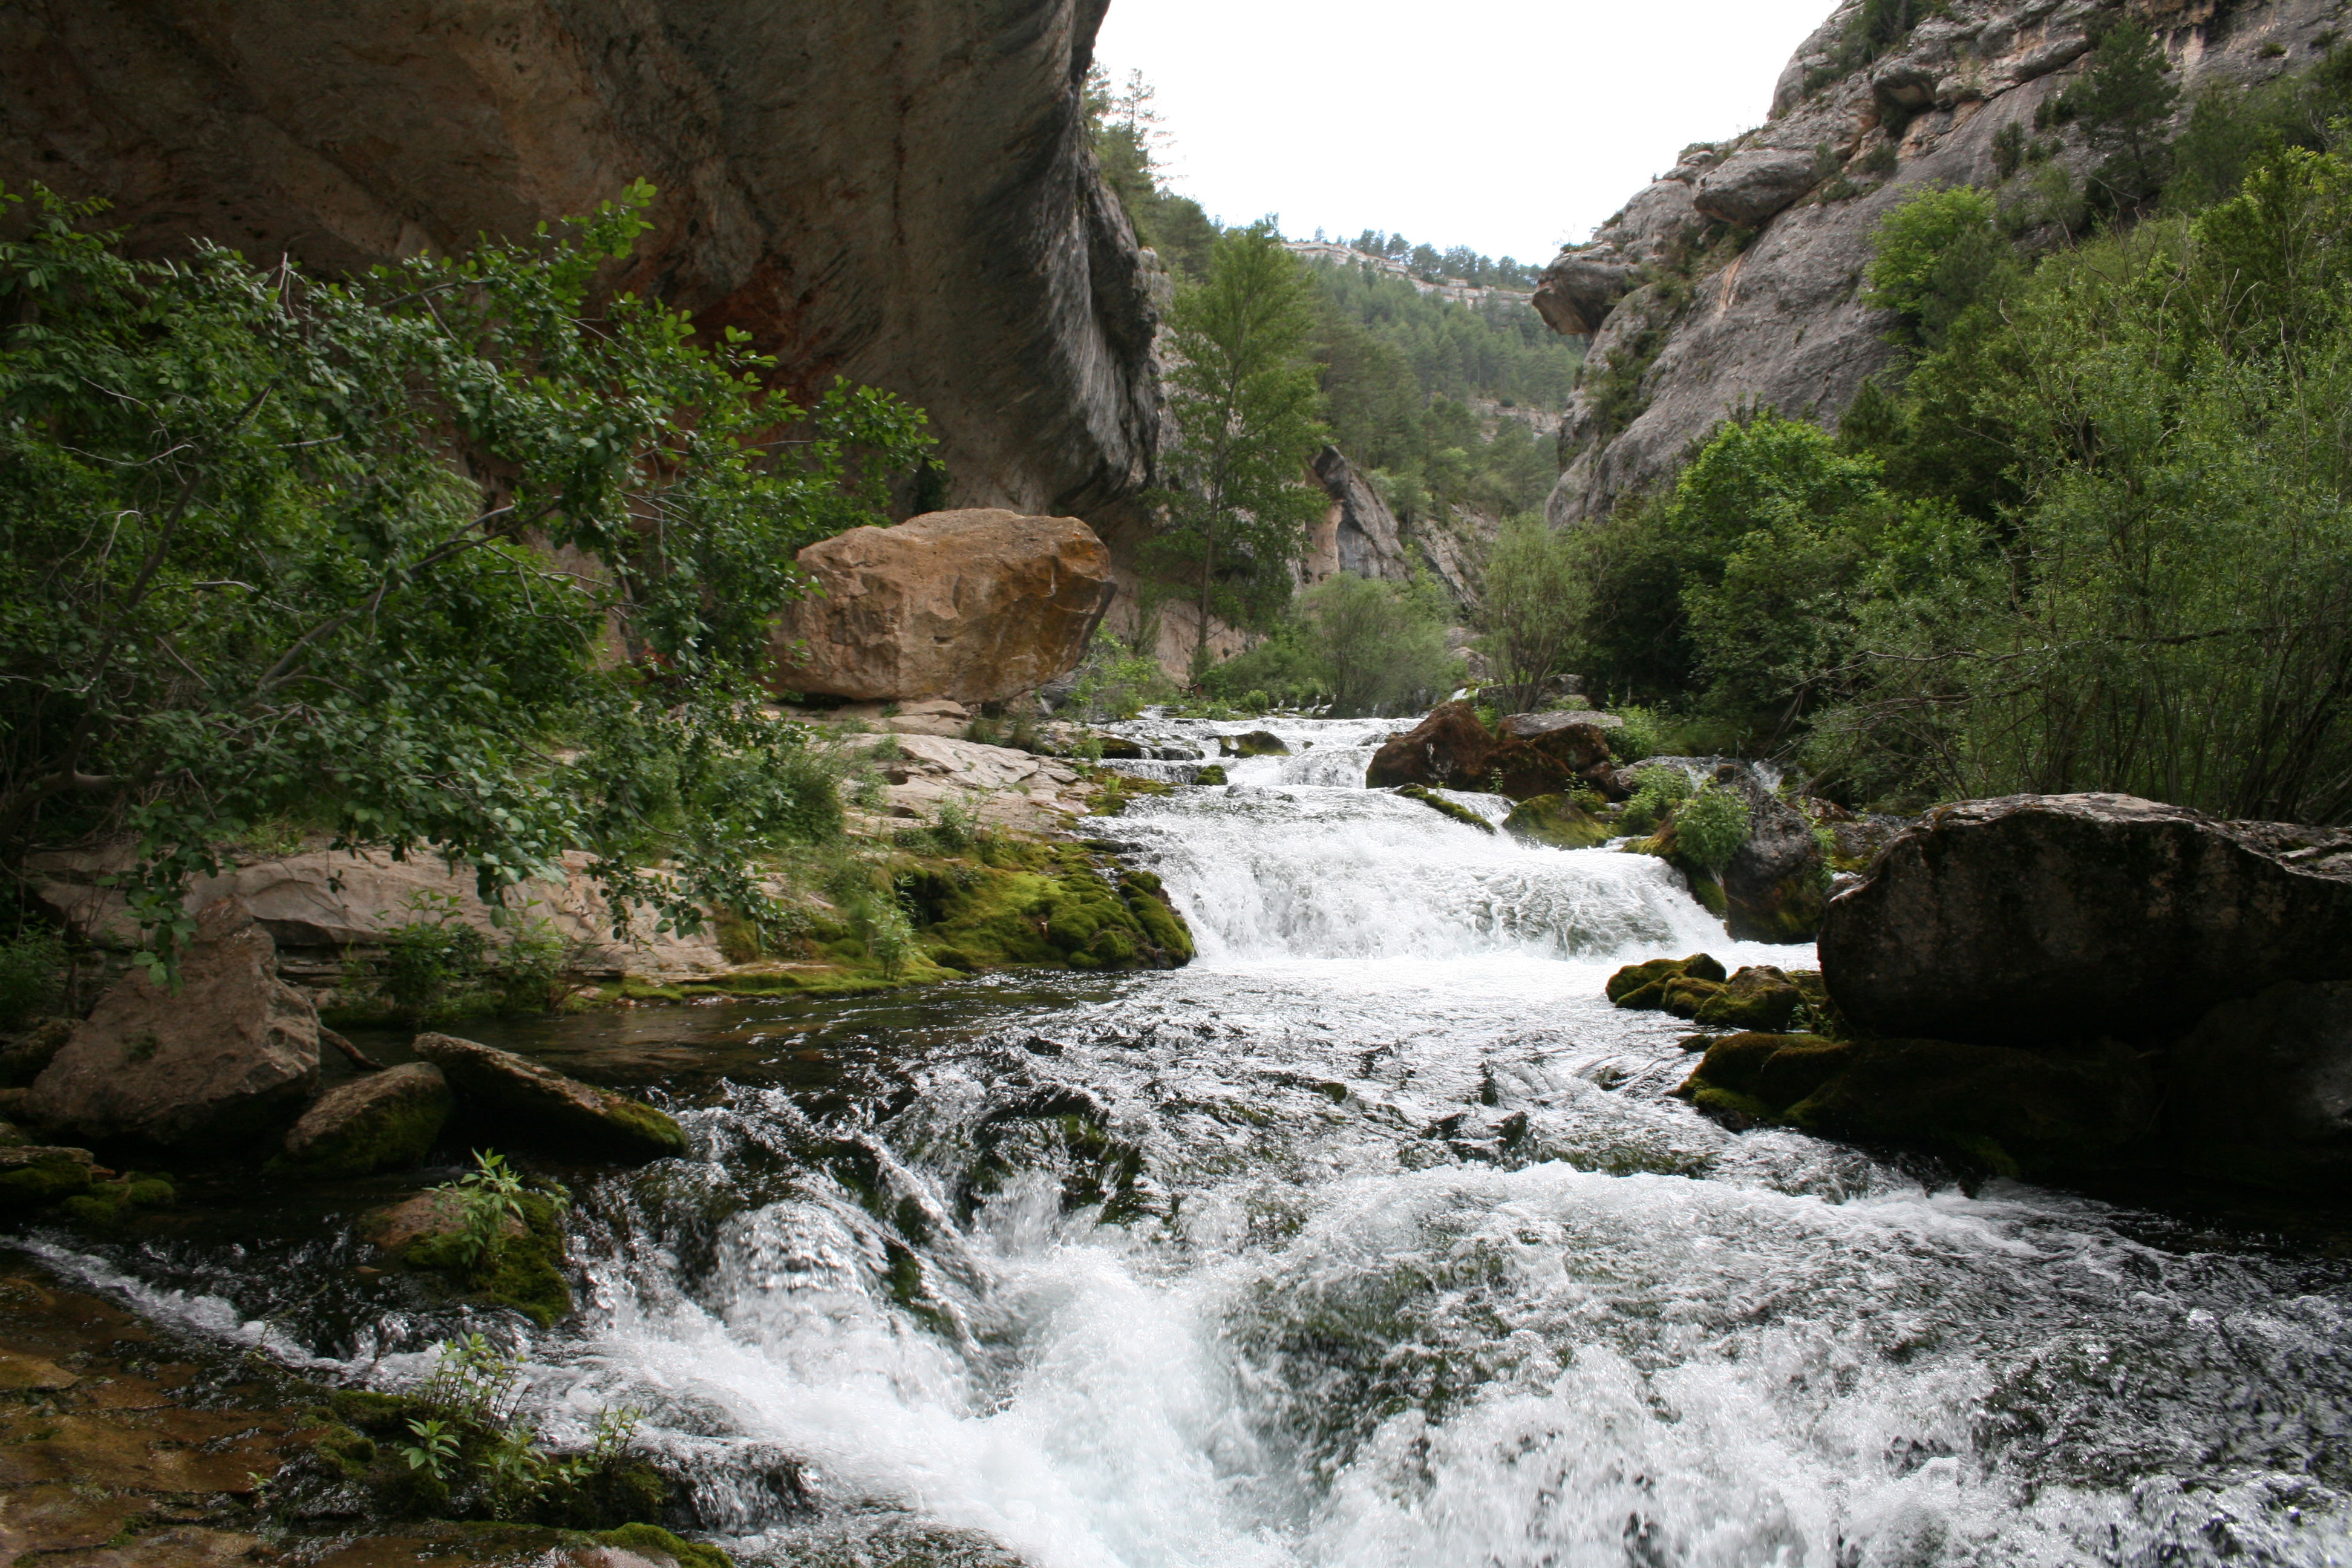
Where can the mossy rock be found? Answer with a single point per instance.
(1641, 986)
(384, 1121)
(1210, 773)
(1256, 743)
(1735, 1062)
(1054, 904)
(1556, 820)
(524, 1271)
(25, 1052)
(1444, 807)
(1759, 997)
(643, 1538)
(36, 1178)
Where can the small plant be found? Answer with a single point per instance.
(32, 977)
(1637, 737)
(889, 936)
(434, 1452)
(1710, 826)
(955, 826)
(431, 956)
(489, 1198)
(534, 968)
(474, 1382)
(1656, 792)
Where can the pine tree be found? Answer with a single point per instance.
(1247, 416)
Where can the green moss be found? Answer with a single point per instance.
(1735, 1062)
(1444, 807)
(1636, 977)
(654, 1538)
(1734, 1110)
(1709, 892)
(1213, 773)
(525, 1272)
(393, 1135)
(641, 1123)
(1800, 1067)
(1256, 743)
(1789, 910)
(40, 1186)
(1557, 820)
(1685, 995)
(1758, 997)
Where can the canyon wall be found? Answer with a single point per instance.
(902, 192)
(1734, 280)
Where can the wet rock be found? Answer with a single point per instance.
(977, 605)
(521, 1267)
(38, 1177)
(2261, 1089)
(1211, 773)
(24, 1055)
(1643, 986)
(1451, 749)
(2039, 918)
(1256, 743)
(1758, 997)
(537, 1105)
(1776, 885)
(1556, 820)
(383, 1122)
(1579, 742)
(228, 1059)
(1444, 807)
(2083, 1108)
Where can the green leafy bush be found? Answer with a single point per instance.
(1710, 826)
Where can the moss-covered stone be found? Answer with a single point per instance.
(1732, 1109)
(1444, 807)
(1643, 986)
(1557, 820)
(643, 1538)
(1759, 997)
(36, 1178)
(1210, 773)
(384, 1121)
(1058, 905)
(1256, 743)
(523, 1270)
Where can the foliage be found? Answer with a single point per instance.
(1657, 791)
(1118, 678)
(355, 551)
(2230, 128)
(1934, 256)
(2122, 100)
(1128, 141)
(1455, 263)
(438, 965)
(1637, 737)
(1243, 403)
(32, 975)
(474, 1443)
(1710, 826)
(489, 1200)
(1533, 603)
(1378, 646)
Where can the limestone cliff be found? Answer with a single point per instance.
(900, 191)
(1733, 278)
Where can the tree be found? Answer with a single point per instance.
(2123, 99)
(1245, 408)
(1376, 645)
(438, 558)
(1533, 599)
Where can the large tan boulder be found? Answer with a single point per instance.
(229, 1057)
(974, 606)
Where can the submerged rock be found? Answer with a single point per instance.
(536, 1104)
(384, 1121)
(2261, 1089)
(977, 605)
(2040, 919)
(1444, 807)
(228, 1058)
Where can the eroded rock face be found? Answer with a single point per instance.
(229, 1057)
(902, 192)
(2039, 918)
(1771, 231)
(975, 607)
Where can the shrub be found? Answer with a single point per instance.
(32, 977)
(1710, 826)
(1656, 791)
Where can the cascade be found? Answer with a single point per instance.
(1372, 1238)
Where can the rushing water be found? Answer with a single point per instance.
(1372, 1238)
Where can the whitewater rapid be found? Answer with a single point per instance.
(1376, 1238)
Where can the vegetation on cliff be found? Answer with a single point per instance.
(2099, 537)
(431, 557)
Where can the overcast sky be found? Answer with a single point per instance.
(1511, 126)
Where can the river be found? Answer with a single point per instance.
(1372, 1238)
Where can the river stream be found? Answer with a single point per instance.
(1372, 1238)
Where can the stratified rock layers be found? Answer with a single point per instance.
(975, 606)
(1736, 279)
(902, 192)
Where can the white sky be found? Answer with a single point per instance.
(1510, 126)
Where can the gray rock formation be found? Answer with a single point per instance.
(1733, 279)
(532, 1104)
(976, 605)
(384, 1121)
(1360, 534)
(230, 1056)
(900, 191)
(2032, 920)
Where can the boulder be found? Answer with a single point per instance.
(1256, 743)
(1776, 884)
(975, 607)
(1556, 820)
(535, 1104)
(1578, 291)
(1451, 749)
(228, 1057)
(2261, 1089)
(1758, 996)
(1579, 742)
(2037, 918)
(383, 1122)
(1643, 986)
(1748, 187)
